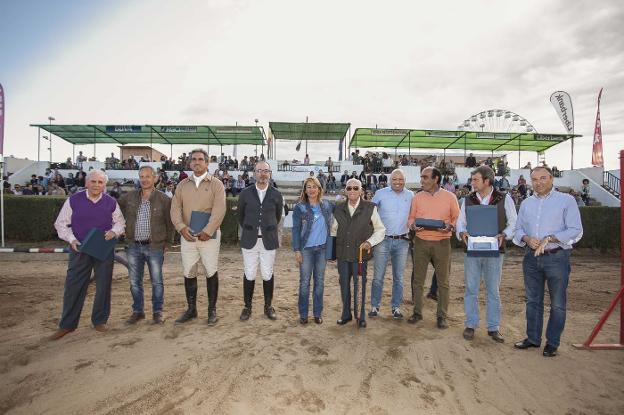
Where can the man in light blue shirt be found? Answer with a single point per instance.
(549, 223)
(393, 204)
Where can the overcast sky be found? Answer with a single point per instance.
(393, 64)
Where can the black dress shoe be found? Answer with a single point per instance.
(342, 322)
(212, 317)
(468, 333)
(496, 336)
(303, 320)
(318, 320)
(362, 323)
(270, 313)
(525, 344)
(415, 318)
(442, 324)
(549, 351)
(245, 314)
(157, 318)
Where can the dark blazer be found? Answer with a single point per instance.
(253, 215)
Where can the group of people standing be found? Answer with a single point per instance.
(547, 226)
(352, 232)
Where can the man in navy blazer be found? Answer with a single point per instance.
(259, 212)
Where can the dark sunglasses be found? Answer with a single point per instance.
(355, 188)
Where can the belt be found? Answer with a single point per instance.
(550, 251)
(142, 242)
(404, 236)
(259, 236)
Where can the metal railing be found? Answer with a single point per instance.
(612, 183)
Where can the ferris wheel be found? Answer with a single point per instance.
(497, 120)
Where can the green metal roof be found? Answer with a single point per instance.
(156, 134)
(309, 131)
(442, 139)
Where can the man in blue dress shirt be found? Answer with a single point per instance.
(393, 204)
(549, 222)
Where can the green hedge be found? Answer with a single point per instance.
(601, 228)
(31, 218)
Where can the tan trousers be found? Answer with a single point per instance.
(207, 251)
(439, 252)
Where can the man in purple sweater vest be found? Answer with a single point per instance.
(81, 212)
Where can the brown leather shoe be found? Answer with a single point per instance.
(135, 317)
(101, 328)
(157, 318)
(60, 333)
(496, 336)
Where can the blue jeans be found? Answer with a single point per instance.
(394, 250)
(554, 270)
(313, 265)
(489, 269)
(138, 255)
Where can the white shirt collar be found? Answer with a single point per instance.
(199, 179)
(487, 197)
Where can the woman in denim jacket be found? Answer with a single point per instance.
(312, 219)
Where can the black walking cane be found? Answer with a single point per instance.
(359, 273)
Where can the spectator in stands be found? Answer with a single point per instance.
(585, 192)
(115, 191)
(244, 164)
(382, 181)
(170, 190)
(371, 182)
(387, 164)
(471, 161)
(112, 161)
(80, 179)
(354, 175)
(183, 176)
(500, 167)
(330, 165)
(448, 184)
(331, 183)
(17, 189)
(577, 197)
(80, 158)
(322, 179)
(306, 160)
(503, 184)
(33, 179)
(239, 185)
(528, 166)
(522, 191)
(362, 177)
(28, 190)
(54, 190)
(556, 172)
(344, 178)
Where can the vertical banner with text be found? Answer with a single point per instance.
(597, 159)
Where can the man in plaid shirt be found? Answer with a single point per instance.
(148, 231)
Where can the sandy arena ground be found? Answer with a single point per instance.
(281, 367)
